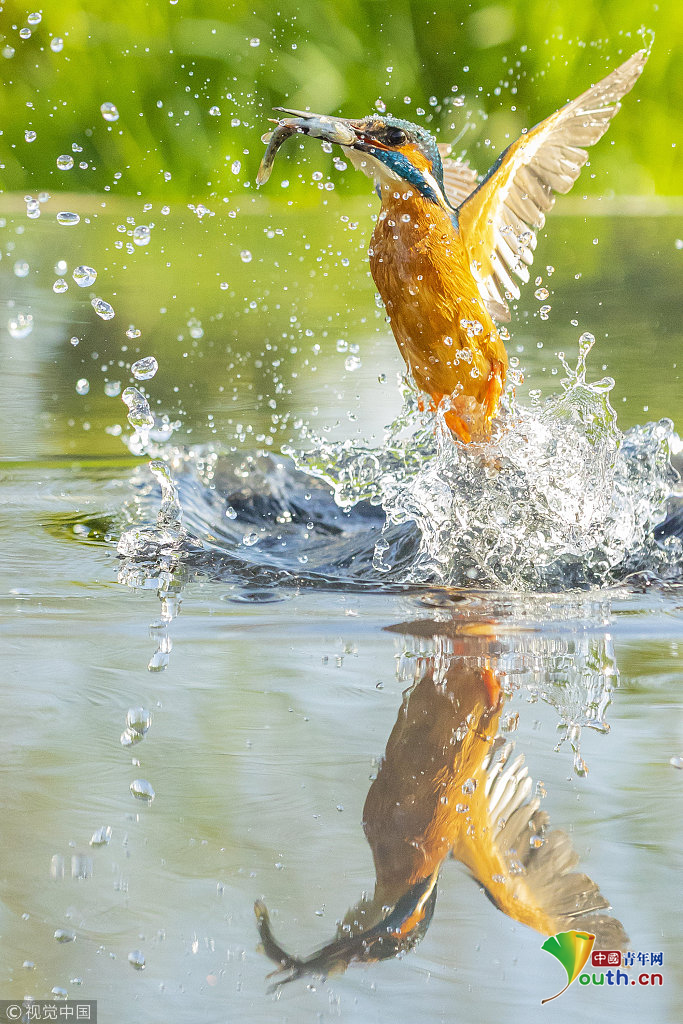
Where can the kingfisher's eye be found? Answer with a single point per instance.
(395, 136)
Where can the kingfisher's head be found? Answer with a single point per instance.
(388, 149)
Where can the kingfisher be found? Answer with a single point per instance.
(448, 246)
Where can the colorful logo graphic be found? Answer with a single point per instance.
(572, 949)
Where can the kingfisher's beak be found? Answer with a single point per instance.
(337, 130)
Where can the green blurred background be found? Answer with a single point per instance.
(166, 64)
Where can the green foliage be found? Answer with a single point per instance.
(165, 65)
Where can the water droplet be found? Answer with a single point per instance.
(144, 368)
(60, 286)
(352, 363)
(195, 328)
(75, 341)
(472, 327)
(142, 790)
(133, 332)
(462, 808)
(129, 737)
(84, 276)
(109, 112)
(142, 234)
(255, 42)
(112, 388)
(139, 720)
(246, 256)
(30, 136)
(136, 959)
(236, 167)
(139, 415)
(57, 44)
(83, 386)
(250, 539)
(65, 162)
(56, 867)
(469, 786)
(541, 293)
(25, 33)
(58, 992)
(64, 935)
(20, 325)
(101, 836)
(102, 308)
(35, 18)
(200, 210)
(676, 761)
(68, 218)
(21, 268)
(381, 106)
(215, 111)
(536, 842)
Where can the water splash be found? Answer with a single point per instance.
(165, 537)
(140, 418)
(559, 497)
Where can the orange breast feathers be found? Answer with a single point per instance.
(444, 332)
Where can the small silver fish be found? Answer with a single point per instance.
(319, 126)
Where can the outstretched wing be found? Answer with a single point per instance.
(525, 867)
(497, 222)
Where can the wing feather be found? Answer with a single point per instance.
(459, 179)
(497, 221)
(527, 869)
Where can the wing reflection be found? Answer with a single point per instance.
(450, 784)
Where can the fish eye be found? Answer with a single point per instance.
(396, 136)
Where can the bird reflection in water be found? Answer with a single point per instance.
(450, 784)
